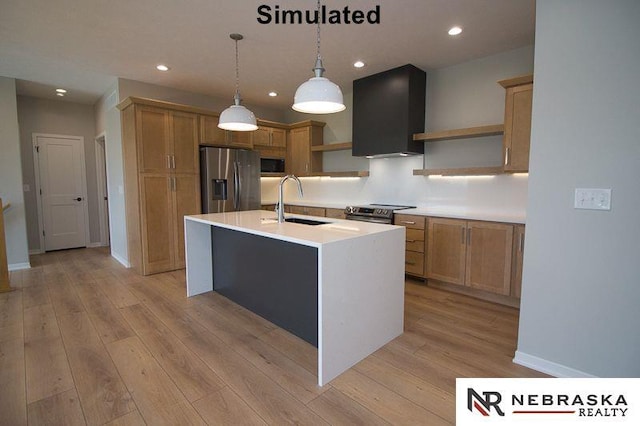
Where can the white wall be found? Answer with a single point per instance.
(581, 285)
(61, 118)
(459, 96)
(11, 177)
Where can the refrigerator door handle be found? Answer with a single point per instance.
(236, 186)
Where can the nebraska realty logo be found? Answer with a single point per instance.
(554, 401)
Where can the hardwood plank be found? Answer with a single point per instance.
(102, 393)
(254, 324)
(338, 409)
(187, 371)
(60, 409)
(414, 389)
(262, 394)
(40, 323)
(64, 299)
(303, 353)
(384, 402)
(35, 295)
(10, 308)
(296, 380)
(118, 293)
(47, 369)
(131, 419)
(13, 404)
(107, 320)
(224, 407)
(155, 395)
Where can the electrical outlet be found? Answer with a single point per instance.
(592, 199)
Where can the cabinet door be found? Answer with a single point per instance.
(186, 201)
(278, 138)
(489, 247)
(241, 139)
(184, 138)
(518, 257)
(517, 128)
(262, 136)
(446, 250)
(299, 151)
(156, 218)
(210, 133)
(153, 141)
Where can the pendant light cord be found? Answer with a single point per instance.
(237, 72)
(318, 31)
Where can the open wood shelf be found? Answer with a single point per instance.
(357, 173)
(466, 171)
(342, 146)
(470, 132)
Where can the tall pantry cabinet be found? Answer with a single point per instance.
(161, 176)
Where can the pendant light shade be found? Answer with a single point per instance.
(237, 117)
(318, 95)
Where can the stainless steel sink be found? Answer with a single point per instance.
(305, 221)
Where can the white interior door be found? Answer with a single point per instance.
(63, 197)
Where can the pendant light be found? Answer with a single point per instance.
(318, 95)
(237, 117)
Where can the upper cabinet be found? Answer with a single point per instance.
(301, 160)
(517, 123)
(270, 141)
(211, 134)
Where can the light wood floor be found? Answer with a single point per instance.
(86, 341)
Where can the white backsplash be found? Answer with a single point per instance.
(391, 181)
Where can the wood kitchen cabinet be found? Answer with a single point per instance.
(335, 213)
(310, 211)
(162, 183)
(301, 160)
(517, 123)
(471, 253)
(414, 242)
(211, 134)
(518, 257)
(271, 142)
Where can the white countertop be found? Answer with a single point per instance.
(458, 213)
(327, 205)
(264, 223)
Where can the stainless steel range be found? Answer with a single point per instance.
(378, 213)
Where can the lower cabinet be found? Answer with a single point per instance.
(335, 213)
(518, 257)
(310, 211)
(414, 243)
(471, 253)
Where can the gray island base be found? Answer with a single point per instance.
(339, 286)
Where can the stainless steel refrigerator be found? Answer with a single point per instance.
(230, 179)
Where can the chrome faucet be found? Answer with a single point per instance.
(280, 205)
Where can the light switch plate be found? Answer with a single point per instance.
(592, 199)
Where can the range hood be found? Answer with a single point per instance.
(388, 108)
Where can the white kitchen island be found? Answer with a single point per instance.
(345, 278)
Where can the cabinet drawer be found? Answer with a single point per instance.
(414, 235)
(414, 263)
(410, 221)
(413, 245)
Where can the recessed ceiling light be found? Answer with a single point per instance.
(358, 64)
(162, 67)
(61, 91)
(60, 94)
(455, 31)
(273, 94)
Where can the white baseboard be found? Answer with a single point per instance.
(548, 367)
(117, 257)
(98, 244)
(36, 251)
(19, 266)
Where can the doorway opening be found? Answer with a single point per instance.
(102, 182)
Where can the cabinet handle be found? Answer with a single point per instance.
(173, 183)
(521, 243)
(411, 241)
(409, 263)
(168, 161)
(173, 161)
(408, 222)
(506, 156)
(463, 235)
(469, 237)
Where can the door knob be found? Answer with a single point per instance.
(79, 199)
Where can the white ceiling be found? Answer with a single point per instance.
(83, 45)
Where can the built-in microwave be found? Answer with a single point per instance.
(272, 165)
